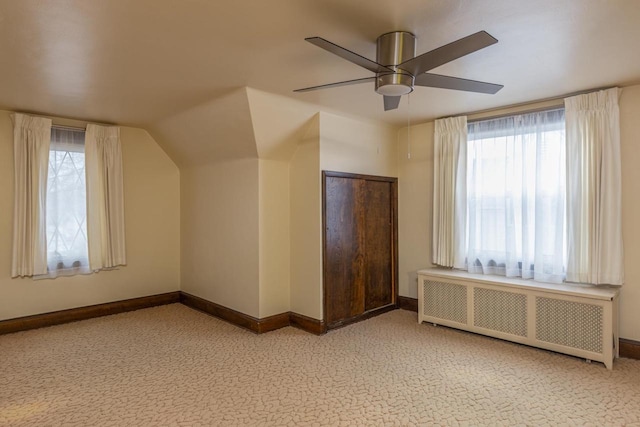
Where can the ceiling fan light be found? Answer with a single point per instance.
(394, 90)
(396, 84)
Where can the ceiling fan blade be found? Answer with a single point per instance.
(345, 83)
(391, 102)
(446, 82)
(348, 55)
(449, 52)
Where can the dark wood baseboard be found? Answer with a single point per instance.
(274, 322)
(629, 349)
(307, 324)
(242, 320)
(259, 326)
(83, 313)
(361, 317)
(232, 316)
(407, 303)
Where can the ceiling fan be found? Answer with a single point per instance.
(398, 70)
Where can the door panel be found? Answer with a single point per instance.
(378, 247)
(344, 241)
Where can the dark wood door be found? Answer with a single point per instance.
(359, 245)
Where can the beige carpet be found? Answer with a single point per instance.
(174, 366)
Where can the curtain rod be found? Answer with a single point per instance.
(514, 113)
(71, 128)
(523, 104)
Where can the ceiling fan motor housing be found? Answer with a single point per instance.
(393, 49)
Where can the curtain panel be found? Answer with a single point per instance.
(105, 197)
(594, 200)
(449, 192)
(31, 139)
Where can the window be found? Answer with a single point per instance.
(534, 195)
(516, 196)
(68, 199)
(66, 214)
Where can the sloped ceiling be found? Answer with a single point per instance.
(181, 68)
(279, 123)
(215, 130)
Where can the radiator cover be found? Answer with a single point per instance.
(575, 320)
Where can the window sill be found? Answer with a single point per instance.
(579, 290)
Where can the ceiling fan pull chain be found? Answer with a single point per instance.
(409, 126)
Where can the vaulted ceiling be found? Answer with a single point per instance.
(181, 68)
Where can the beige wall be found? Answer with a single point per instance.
(220, 243)
(274, 257)
(152, 221)
(349, 145)
(415, 199)
(306, 225)
(415, 194)
(630, 153)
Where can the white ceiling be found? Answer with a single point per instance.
(146, 62)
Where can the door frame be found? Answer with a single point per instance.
(394, 246)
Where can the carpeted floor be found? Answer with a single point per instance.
(171, 365)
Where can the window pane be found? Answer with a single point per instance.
(66, 203)
(516, 192)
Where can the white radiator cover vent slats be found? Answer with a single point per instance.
(572, 324)
(445, 301)
(500, 311)
(577, 320)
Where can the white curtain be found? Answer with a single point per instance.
(31, 139)
(105, 197)
(594, 189)
(515, 196)
(449, 192)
